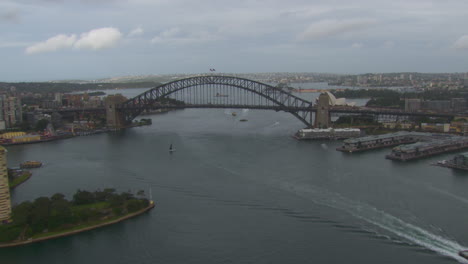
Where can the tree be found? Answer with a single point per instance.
(60, 212)
(134, 205)
(41, 124)
(116, 200)
(22, 213)
(40, 214)
(57, 197)
(83, 197)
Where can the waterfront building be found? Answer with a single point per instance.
(435, 127)
(458, 104)
(437, 105)
(5, 202)
(460, 125)
(412, 105)
(399, 125)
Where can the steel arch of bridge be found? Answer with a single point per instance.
(276, 98)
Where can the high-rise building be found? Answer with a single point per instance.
(10, 110)
(5, 202)
(58, 97)
(465, 80)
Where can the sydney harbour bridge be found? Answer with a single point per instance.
(214, 91)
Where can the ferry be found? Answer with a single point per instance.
(30, 164)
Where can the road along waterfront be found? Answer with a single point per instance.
(248, 192)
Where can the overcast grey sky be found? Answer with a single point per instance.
(87, 39)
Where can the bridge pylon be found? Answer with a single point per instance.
(114, 117)
(322, 116)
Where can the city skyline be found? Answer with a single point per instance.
(54, 39)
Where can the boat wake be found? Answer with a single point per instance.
(451, 195)
(381, 219)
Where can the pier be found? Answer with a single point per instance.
(460, 162)
(327, 133)
(381, 141)
(426, 149)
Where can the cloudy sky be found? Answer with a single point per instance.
(86, 39)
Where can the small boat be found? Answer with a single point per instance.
(171, 149)
(243, 120)
(233, 113)
(30, 164)
(463, 254)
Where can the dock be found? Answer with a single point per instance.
(459, 162)
(327, 133)
(381, 141)
(429, 148)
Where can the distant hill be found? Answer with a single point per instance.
(64, 87)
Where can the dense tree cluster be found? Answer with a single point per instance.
(57, 213)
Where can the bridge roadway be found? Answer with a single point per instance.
(333, 109)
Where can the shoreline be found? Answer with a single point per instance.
(69, 233)
(12, 187)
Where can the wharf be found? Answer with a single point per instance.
(451, 165)
(327, 133)
(382, 141)
(429, 148)
(459, 161)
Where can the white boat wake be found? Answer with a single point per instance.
(381, 219)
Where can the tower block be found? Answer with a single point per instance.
(5, 199)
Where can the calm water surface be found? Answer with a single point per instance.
(246, 192)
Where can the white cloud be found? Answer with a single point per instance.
(177, 36)
(136, 32)
(94, 40)
(357, 45)
(328, 28)
(461, 43)
(98, 39)
(52, 44)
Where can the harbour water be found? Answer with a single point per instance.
(247, 192)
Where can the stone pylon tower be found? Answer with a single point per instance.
(5, 202)
(114, 118)
(322, 116)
